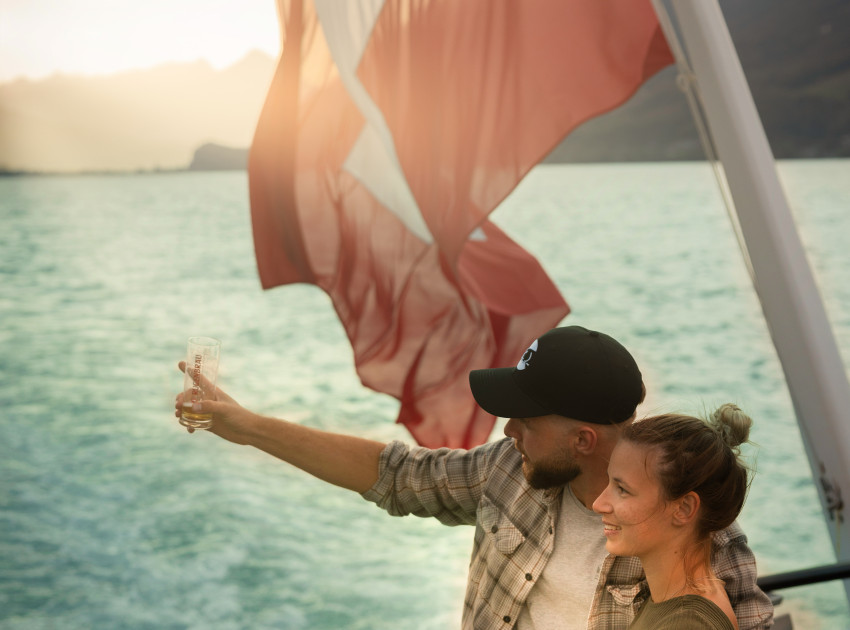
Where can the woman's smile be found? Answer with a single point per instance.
(610, 529)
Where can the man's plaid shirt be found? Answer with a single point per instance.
(514, 530)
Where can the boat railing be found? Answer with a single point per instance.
(800, 577)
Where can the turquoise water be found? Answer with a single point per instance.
(111, 516)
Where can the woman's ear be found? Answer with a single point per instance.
(686, 509)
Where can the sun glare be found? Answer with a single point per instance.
(39, 38)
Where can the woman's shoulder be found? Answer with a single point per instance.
(688, 612)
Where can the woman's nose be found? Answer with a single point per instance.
(601, 504)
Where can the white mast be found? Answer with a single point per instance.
(782, 277)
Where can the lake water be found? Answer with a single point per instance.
(112, 516)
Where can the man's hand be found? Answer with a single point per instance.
(345, 461)
(230, 420)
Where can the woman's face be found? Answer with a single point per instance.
(636, 518)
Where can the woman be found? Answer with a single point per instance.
(673, 480)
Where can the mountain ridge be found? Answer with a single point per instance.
(796, 58)
(150, 119)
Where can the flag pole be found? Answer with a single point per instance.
(782, 277)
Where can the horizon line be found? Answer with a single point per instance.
(82, 74)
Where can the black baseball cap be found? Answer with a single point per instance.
(570, 371)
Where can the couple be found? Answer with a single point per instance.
(583, 519)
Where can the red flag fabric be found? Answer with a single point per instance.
(391, 130)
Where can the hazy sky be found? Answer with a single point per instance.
(42, 37)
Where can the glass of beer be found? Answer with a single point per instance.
(199, 379)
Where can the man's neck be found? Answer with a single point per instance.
(587, 486)
(594, 470)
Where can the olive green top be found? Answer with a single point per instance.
(689, 612)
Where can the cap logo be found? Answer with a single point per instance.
(525, 361)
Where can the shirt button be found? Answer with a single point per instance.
(506, 618)
(550, 529)
(494, 529)
(528, 577)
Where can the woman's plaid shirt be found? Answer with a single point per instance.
(514, 529)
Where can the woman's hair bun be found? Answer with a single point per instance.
(732, 424)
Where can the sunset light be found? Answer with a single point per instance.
(39, 38)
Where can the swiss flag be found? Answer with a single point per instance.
(391, 130)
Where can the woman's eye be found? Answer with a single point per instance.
(621, 489)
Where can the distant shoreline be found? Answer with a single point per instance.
(17, 173)
(161, 171)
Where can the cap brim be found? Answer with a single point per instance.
(496, 392)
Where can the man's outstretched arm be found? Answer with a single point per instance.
(346, 461)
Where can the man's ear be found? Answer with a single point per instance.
(585, 440)
(686, 509)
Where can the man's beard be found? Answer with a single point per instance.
(551, 473)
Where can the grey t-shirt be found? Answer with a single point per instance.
(562, 596)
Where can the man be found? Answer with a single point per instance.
(539, 557)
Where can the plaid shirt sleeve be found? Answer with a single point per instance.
(734, 563)
(620, 591)
(484, 487)
(442, 483)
